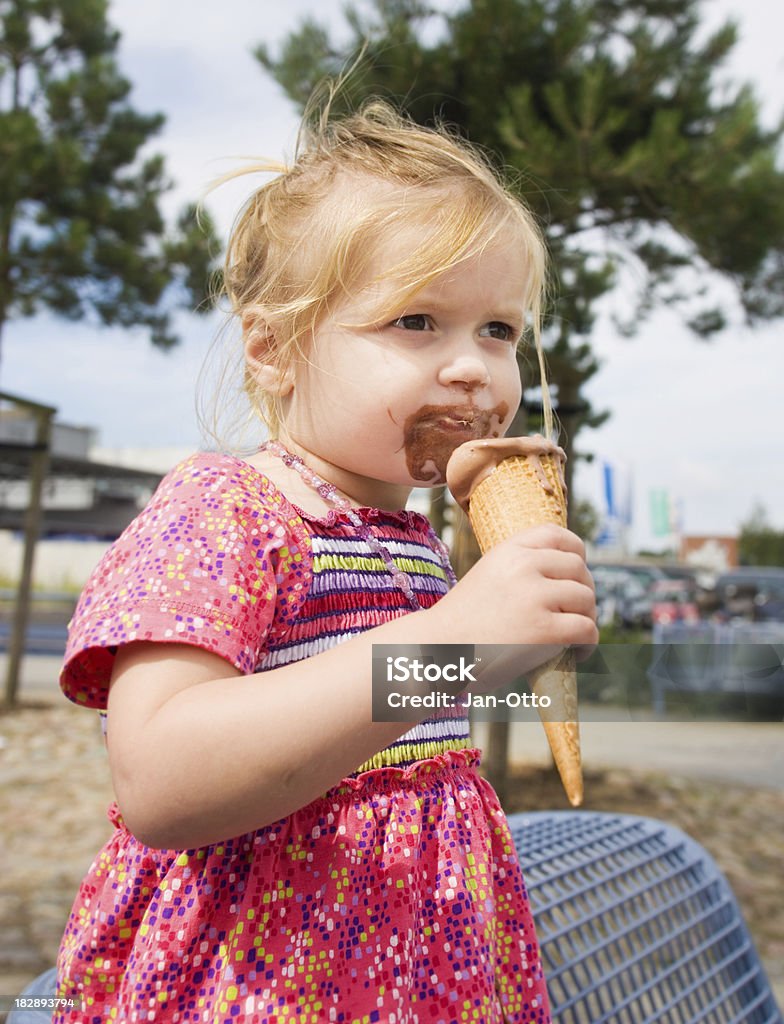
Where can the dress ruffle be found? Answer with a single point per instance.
(379, 779)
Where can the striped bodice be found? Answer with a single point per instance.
(350, 590)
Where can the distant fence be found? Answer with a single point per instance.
(61, 563)
(717, 658)
(48, 626)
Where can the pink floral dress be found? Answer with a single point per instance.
(396, 897)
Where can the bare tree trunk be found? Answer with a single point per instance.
(39, 467)
(496, 759)
(438, 510)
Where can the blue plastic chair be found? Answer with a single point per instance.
(637, 925)
(44, 985)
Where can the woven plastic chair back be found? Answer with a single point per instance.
(637, 924)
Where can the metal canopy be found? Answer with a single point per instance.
(16, 460)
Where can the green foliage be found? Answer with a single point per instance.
(610, 110)
(585, 520)
(81, 232)
(759, 543)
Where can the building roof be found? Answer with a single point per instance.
(15, 465)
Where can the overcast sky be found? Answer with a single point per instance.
(702, 421)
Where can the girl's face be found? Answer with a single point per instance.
(378, 409)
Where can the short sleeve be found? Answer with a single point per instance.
(214, 559)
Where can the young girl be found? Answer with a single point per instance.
(277, 854)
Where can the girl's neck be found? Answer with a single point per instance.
(360, 491)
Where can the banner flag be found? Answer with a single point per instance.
(660, 513)
(616, 483)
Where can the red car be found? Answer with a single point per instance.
(673, 601)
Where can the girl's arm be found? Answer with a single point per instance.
(200, 753)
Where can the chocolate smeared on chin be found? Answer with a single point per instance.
(432, 433)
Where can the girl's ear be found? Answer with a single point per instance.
(260, 357)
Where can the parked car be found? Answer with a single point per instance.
(609, 596)
(676, 571)
(622, 596)
(673, 600)
(755, 592)
(644, 574)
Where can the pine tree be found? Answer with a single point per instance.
(759, 543)
(81, 230)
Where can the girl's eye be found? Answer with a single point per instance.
(413, 322)
(499, 330)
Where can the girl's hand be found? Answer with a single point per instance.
(533, 589)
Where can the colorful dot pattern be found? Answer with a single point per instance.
(395, 898)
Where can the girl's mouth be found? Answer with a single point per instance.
(433, 432)
(463, 423)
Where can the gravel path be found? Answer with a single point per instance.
(738, 753)
(54, 790)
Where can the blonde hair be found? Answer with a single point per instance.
(304, 241)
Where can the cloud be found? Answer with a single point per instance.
(113, 380)
(702, 420)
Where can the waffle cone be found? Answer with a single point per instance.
(523, 491)
(513, 498)
(557, 679)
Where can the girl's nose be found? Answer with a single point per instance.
(466, 371)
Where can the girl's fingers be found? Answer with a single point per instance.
(559, 565)
(574, 630)
(565, 565)
(569, 596)
(548, 535)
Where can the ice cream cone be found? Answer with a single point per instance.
(506, 485)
